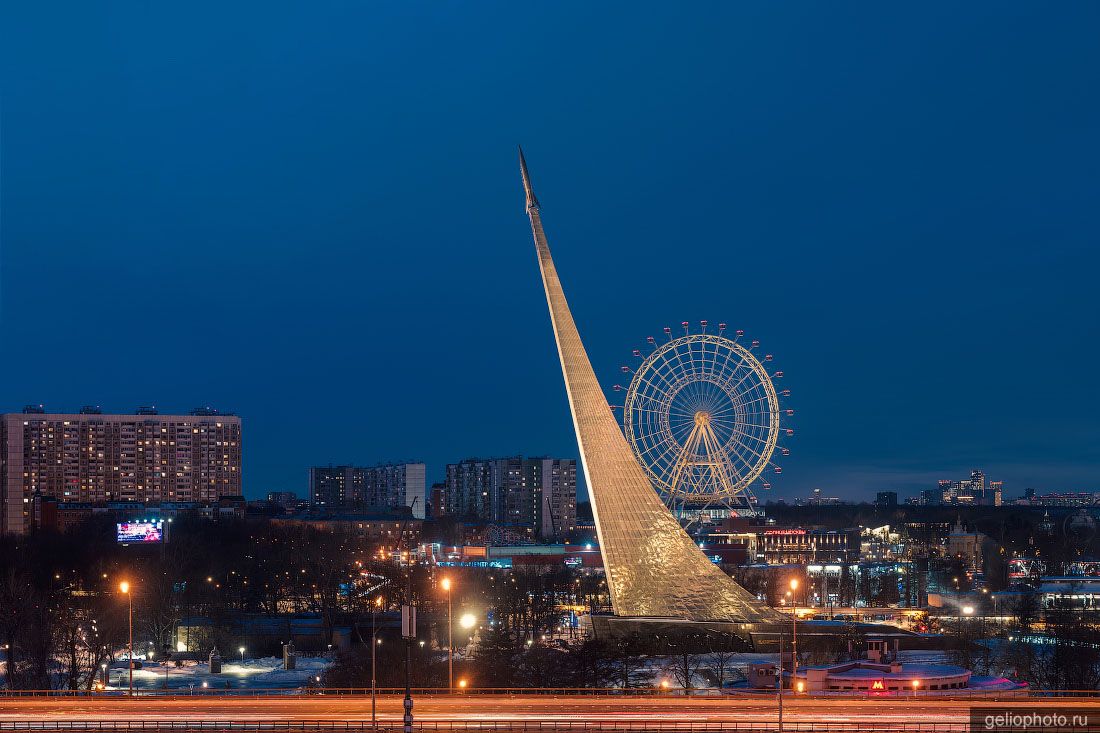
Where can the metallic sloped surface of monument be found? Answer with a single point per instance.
(653, 567)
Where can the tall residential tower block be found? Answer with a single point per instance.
(91, 457)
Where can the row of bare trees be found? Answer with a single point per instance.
(63, 615)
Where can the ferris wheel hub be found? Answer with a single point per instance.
(702, 418)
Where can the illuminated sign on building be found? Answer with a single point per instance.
(784, 531)
(878, 685)
(132, 532)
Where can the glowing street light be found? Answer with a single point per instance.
(968, 610)
(375, 641)
(794, 629)
(241, 650)
(467, 621)
(125, 588)
(446, 585)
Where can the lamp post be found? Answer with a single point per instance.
(450, 644)
(794, 629)
(965, 628)
(466, 622)
(125, 588)
(779, 683)
(373, 648)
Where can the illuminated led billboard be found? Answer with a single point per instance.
(135, 532)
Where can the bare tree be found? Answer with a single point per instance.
(721, 662)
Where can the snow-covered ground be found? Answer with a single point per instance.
(251, 674)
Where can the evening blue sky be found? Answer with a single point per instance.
(310, 214)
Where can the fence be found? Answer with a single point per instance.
(329, 726)
(613, 692)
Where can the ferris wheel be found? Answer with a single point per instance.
(703, 417)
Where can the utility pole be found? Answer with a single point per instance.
(125, 588)
(450, 644)
(408, 630)
(794, 629)
(779, 683)
(373, 649)
(408, 626)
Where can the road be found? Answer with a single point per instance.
(852, 712)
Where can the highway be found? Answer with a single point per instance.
(660, 712)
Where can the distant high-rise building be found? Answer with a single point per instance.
(931, 497)
(436, 499)
(886, 499)
(540, 493)
(328, 486)
(997, 489)
(971, 491)
(556, 480)
(95, 458)
(817, 498)
(386, 486)
(282, 498)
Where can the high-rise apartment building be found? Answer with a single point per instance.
(557, 482)
(972, 491)
(386, 486)
(540, 493)
(92, 457)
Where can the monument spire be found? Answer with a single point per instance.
(532, 202)
(653, 567)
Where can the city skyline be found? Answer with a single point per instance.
(898, 242)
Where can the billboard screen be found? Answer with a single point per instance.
(133, 532)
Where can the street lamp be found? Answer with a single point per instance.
(794, 629)
(916, 684)
(241, 650)
(467, 621)
(125, 588)
(446, 584)
(375, 607)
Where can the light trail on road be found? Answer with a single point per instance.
(508, 709)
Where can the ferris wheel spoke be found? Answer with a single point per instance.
(669, 453)
(724, 410)
(753, 437)
(656, 388)
(757, 458)
(672, 367)
(761, 398)
(749, 372)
